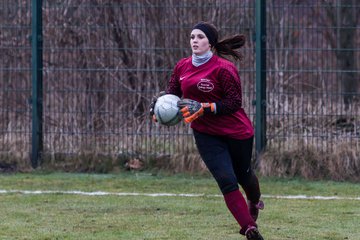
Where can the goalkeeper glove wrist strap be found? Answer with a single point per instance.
(209, 107)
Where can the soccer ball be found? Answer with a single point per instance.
(166, 110)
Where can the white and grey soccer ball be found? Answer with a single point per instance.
(166, 110)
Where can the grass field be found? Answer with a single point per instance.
(62, 215)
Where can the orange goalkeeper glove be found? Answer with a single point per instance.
(191, 109)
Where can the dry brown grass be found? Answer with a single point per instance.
(341, 163)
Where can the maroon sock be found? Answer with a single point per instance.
(239, 209)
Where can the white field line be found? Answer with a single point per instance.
(100, 193)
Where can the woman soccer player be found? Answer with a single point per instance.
(212, 102)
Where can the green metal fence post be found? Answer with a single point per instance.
(260, 123)
(37, 82)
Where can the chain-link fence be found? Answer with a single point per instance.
(313, 110)
(104, 60)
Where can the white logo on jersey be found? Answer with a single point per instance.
(205, 85)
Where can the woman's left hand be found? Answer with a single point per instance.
(191, 109)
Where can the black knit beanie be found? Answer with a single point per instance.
(209, 32)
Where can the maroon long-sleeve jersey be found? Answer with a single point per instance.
(215, 81)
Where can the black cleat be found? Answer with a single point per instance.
(254, 209)
(252, 233)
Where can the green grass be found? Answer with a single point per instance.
(66, 216)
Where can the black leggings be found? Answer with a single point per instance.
(228, 160)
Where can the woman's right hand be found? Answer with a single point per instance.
(152, 105)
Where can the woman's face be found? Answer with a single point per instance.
(199, 42)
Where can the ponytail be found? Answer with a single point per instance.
(229, 46)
